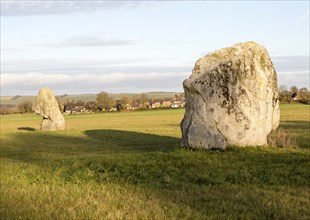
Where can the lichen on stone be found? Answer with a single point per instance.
(239, 84)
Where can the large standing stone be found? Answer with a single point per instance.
(231, 98)
(47, 106)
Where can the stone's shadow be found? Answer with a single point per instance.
(26, 129)
(295, 125)
(174, 125)
(34, 146)
(300, 129)
(155, 163)
(119, 140)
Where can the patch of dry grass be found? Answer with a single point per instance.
(281, 138)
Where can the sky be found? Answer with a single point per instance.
(79, 47)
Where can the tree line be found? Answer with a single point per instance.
(294, 95)
(105, 101)
(23, 107)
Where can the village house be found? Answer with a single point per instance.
(177, 104)
(155, 103)
(166, 103)
(71, 109)
(78, 107)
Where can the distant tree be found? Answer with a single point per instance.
(64, 95)
(293, 93)
(91, 105)
(303, 90)
(304, 96)
(80, 103)
(143, 100)
(283, 88)
(176, 97)
(105, 101)
(125, 99)
(69, 100)
(284, 96)
(294, 89)
(8, 109)
(25, 107)
(123, 102)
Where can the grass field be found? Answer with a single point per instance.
(131, 166)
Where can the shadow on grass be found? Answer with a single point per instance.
(296, 125)
(26, 129)
(35, 146)
(299, 129)
(117, 140)
(153, 160)
(201, 180)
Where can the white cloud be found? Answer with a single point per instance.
(91, 41)
(135, 74)
(291, 63)
(104, 65)
(25, 8)
(30, 83)
(293, 72)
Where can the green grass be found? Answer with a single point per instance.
(130, 166)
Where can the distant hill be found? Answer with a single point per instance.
(15, 100)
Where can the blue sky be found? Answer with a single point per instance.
(139, 46)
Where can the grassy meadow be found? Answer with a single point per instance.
(131, 166)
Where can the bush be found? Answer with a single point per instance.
(25, 107)
(8, 110)
(281, 138)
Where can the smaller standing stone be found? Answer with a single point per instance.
(47, 106)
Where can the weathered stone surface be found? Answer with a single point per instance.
(231, 98)
(46, 105)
